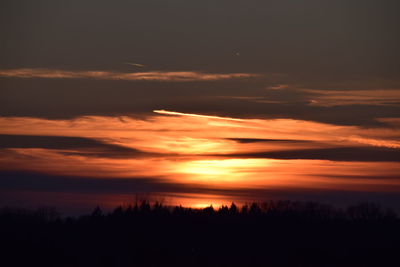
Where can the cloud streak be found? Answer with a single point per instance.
(70, 146)
(171, 76)
(166, 112)
(331, 98)
(364, 154)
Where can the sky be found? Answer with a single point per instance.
(199, 102)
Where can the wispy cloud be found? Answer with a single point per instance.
(166, 112)
(177, 76)
(135, 64)
(331, 98)
(281, 94)
(278, 87)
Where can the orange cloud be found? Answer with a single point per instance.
(177, 134)
(200, 149)
(176, 76)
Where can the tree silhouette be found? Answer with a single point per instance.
(272, 233)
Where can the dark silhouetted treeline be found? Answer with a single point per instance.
(274, 233)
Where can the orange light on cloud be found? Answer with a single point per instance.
(200, 149)
(176, 76)
(161, 111)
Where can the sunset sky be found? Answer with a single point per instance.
(199, 102)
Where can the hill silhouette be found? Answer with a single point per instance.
(273, 233)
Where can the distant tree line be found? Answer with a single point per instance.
(272, 233)
(282, 210)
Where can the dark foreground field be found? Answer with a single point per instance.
(268, 234)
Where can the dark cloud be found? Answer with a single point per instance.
(364, 177)
(257, 140)
(19, 186)
(376, 154)
(34, 181)
(78, 146)
(53, 183)
(308, 36)
(309, 44)
(241, 98)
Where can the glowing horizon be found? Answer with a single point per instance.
(196, 153)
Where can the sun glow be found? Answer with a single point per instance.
(192, 150)
(220, 171)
